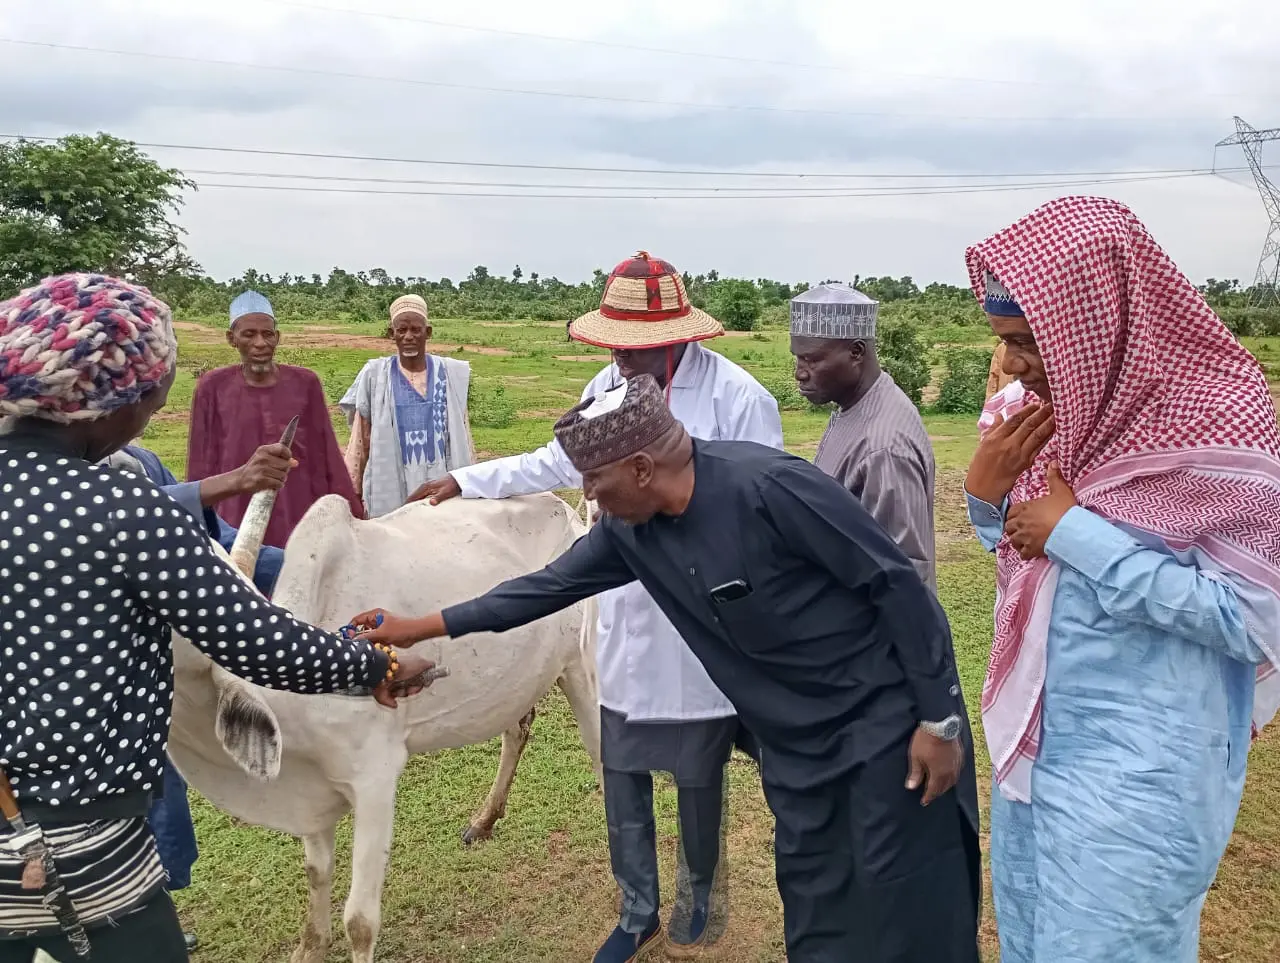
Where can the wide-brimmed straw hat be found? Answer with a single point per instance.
(644, 305)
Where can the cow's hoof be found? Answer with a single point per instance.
(471, 833)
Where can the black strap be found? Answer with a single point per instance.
(127, 805)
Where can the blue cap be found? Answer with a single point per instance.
(250, 302)
(998, 300)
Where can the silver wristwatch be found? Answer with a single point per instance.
(948, 729)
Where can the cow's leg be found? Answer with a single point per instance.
(495, 806)
(584, 700)
(318, 854)
(374, 813)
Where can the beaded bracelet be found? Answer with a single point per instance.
(394, 668)
(349, 632)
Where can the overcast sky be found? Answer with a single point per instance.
(917, 87)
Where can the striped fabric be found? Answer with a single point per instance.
(109, 867)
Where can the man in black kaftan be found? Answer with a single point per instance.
(835, 655)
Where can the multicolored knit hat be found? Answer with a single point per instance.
(615, 424)
(644, 306)
(78, 346)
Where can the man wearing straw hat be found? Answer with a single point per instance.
(815, 624)
(659, 708)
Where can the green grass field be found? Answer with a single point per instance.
(541, 889)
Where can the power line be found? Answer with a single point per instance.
(570, 95)
(668, 51)
(580, 169)
(1120, 178)
(968, 189)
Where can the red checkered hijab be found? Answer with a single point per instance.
(1164, 427)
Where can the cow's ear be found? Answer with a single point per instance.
(247, 729)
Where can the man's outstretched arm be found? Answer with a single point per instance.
(591, 565)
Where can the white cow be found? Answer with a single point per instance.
(298, 763)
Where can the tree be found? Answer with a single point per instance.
(737, 304)
(964, 388)
(887, 289)
(517, 274)
(88, 204)
(901, 353)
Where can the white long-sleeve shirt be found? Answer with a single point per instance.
(646, 671)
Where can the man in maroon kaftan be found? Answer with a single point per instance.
(239, 408)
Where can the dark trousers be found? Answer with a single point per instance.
(633, 853)
(867, 873)
(170, 821)
(151, 935)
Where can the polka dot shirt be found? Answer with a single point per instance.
(96, 567)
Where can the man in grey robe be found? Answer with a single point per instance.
(875, 444)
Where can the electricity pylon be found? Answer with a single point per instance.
(1266, 284)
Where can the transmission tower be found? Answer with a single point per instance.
(1266, 285)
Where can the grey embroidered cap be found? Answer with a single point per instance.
(836, 312)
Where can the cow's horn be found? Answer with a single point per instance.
(253, 529)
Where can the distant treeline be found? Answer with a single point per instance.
(99, 203)
(743, 304)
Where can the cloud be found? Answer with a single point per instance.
(922, 87)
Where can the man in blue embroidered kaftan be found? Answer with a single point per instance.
(408, 415)
(1139, 588)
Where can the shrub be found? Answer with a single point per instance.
(1251, 322)
(364, 310)
(781, 383)
(736, 304)
(964, 387)
(902, 354)
(775, 316)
